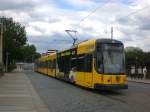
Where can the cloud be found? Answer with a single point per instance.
(47, 20)
(56, 41)
(79, 3)
(15, 4)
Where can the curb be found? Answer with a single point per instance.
(138, 82)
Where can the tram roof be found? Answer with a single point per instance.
(104, 40)
(91, 41)
(86, 42)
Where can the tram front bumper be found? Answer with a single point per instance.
(110, 86)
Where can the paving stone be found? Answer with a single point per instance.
(18, 95)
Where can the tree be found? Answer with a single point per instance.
(13, 38)
(134, 56)
(137, 57)
(29, 53)
(14, 43)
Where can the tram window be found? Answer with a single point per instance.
(49, 64)
(66, 64)
(40, 64)
(73, 62)
(43, 64)
(99, 59)
(80, 64)
(46, 64)
(54, 64)
(60, 64)
(88, 63)
(99, 48)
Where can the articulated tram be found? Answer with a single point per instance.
(95, 63)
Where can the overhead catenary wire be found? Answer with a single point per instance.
(104, 4)
(93, 11)
(134, 12)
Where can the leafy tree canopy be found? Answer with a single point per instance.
(137, 57)
(15, 42)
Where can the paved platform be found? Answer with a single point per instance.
(145, 81)
(18, 95)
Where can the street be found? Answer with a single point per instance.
(60, 96)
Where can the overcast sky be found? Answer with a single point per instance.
(47, 20)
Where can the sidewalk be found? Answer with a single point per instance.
(145, 81)
(18, 95)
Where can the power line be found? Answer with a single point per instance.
(104, 4)
(135, 12)
(132, 13)
(93, 11)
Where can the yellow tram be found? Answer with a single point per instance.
(95, 63)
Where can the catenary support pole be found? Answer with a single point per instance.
(1, 49)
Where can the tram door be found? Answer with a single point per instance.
(88, 70)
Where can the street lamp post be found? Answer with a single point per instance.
(7, 54)
(136, 61)
(1, 49)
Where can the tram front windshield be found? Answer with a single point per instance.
(110, 58)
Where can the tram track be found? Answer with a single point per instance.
(112, 94)
(55, 92)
